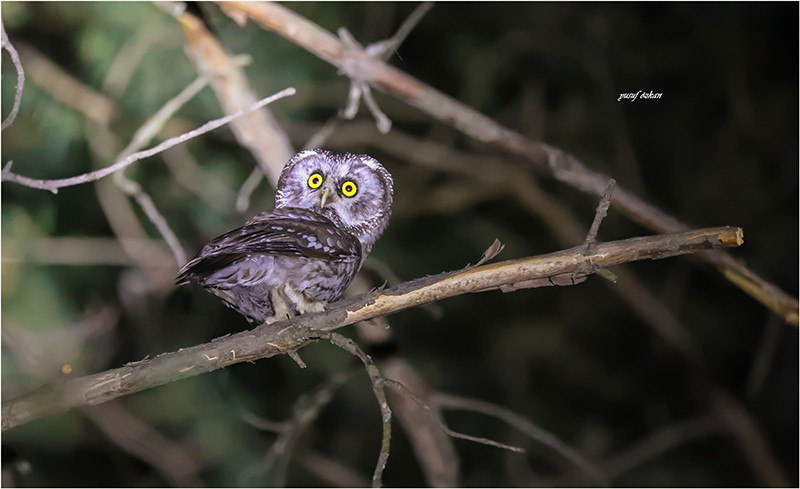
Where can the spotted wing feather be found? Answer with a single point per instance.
(247, 256)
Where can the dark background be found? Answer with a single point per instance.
(719, 148)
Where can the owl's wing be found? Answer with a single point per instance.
(294, 232)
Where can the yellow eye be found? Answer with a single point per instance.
(349, 189)
(315, 180)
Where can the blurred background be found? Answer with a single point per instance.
(87, 278)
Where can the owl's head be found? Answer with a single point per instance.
(354, 191)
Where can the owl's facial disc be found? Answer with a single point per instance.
(354, 191)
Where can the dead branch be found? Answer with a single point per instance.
(448, 401)
(6, 44)
(279, 338)
(553, 161)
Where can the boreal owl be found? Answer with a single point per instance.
(329, 211)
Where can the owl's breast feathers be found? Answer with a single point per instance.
(293, 253)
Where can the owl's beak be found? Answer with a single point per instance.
(323, 198)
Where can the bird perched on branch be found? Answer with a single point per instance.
(329, 211)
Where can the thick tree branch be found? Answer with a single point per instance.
(559, 268)
(554, 161)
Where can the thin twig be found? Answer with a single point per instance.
(419, 402)
(283, 336)
(142, 137)
(55, 184)
(332, 471)
(262, 423)
(394, 42)
(248, 187)
(304, 412)
(751, 440)
(434, 449)
(449, 401)
(765, 356)
(156, 122)
(600, 213)
(6, 44)
(378, 382)
(661, 441)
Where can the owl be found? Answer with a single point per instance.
(329, 211)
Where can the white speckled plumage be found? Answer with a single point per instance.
(302, 254)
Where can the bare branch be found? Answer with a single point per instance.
(751, 440)
(378, 382)
(54, 185)
(6, 44)
(765, 356)
(278, 338)
(448, 401)
(434, 449)
(331, 471)
(661, 441)
(83, 251)
(389, 46)
(600, 213)
(549, 159)
(419, 402)
(248, 187)
(304, 412)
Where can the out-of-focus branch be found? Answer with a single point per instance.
(750, 440)
(304, 412)
(258, 132)
(559, 268)
(65, 89)
(84, 251)
(331, 471)
(143, 136)
(377, 381)
(434, 450)
(554, 161)
(661, 441)
(55, 184)
(40, 356)
(190, 175)
(448, 401)
(765, 356)
(6, 44)
(173, 461)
